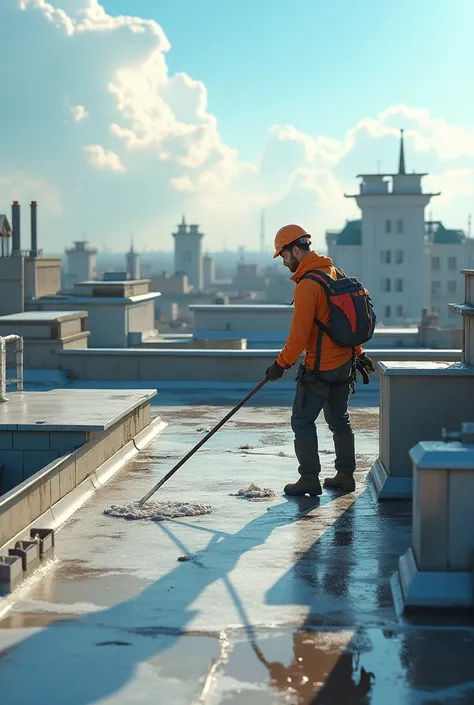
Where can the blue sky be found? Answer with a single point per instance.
(125, 113)
(315, 64)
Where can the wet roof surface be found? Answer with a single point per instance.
(282, 600)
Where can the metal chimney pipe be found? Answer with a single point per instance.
(16, 239)
(34, 230)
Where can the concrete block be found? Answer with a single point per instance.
(388, 487)
(410, 411)
(11, 572)
(31, 440)
(430, 519)
(36, 460)
(461, 520)
(12, 469)
(66, 440)
(45, 538)
(6, 440)
(28, 551)
(433, 589)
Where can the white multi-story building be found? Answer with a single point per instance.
(188, 253)
(81, 263)
(407, 263)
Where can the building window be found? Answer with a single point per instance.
(386, 285)
(399, 226)
(386, 256)
(187, 258)
(399, 285)
(435, 287)
(400, 311)
(388, 311)
(452, 286)
(388, 226)
(452, 264)
(435, 263)
(399, 256)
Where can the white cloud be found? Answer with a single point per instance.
(102, 159)
(18, 186)
(78, 113)
(165, 143)
(453, 184)
(319, 149)
(428, 133)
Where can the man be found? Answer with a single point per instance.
(324, 381)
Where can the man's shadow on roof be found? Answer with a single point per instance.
(93, 657)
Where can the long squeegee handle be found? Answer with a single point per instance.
(202, 441)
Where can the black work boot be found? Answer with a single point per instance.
(345, 464)
(309, 468)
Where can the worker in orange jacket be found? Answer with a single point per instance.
(326, 388)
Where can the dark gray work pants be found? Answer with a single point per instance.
(329, 392)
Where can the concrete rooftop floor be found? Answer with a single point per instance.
(282, 601)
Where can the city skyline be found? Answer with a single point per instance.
(124, 123)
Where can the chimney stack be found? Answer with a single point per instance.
(16, 240)
(34, 230)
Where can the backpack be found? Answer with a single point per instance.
(351, 314)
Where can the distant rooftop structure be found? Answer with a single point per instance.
(435, 231)
(401, 159)
(81, 246)
(188, 253)
(6, 233)
(399, 183)
(5, 227)
(439, 235)
(351, 234)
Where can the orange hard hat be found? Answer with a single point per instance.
(287, 234)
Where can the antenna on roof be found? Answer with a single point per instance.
(401, 159)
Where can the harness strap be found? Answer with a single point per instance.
(319, 348)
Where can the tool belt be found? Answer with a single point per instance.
(312, 381)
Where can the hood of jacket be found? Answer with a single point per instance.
(312, 261)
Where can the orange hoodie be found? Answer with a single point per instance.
(310, 303)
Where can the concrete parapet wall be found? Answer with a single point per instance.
(41, 354)
(195, 344)
(37, 494)
(24, 453)
(199, 365)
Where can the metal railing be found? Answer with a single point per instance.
(4, 380)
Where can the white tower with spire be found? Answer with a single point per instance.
(132, 263)
(394, 259)
(188, 253)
